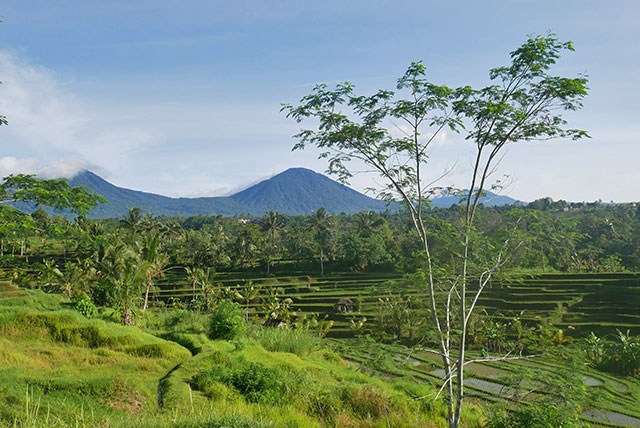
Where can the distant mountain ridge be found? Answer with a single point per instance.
(293, 192)
(490, 199)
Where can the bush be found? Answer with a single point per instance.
(543, 415)
(256, 382)
(226, 321)
(183, 321)
(621, 355)
(83, 304)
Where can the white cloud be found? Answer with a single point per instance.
(60, 168)
(227, 190)
(67, 168)
(143, 138)
(12, 165)
(47, 120)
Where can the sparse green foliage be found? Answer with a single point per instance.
(271, 223)
(276, 306)
(321, 225)
(256, 382)
(248, 293)
(397, 315)
(620, 354)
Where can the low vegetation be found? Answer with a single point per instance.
(68, 370)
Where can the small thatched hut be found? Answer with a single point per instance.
(344, 306)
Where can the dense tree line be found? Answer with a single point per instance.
(546, 236)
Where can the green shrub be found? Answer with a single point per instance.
(325, 406)
(620, 355)
(256, 382)
(83, 304)
(185, 321)
(226, 321)
(544, 415)
(208, 382)
(102, 293)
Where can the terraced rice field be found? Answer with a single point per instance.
(491, 381)
(576, 303)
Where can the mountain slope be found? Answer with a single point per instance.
(302, 191)
(119, 199)
(295, 191)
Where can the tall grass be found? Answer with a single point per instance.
(285, 339)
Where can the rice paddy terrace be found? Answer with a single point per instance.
(576, 303)
(509, 381)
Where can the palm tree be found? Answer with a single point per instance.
(201, 277)
(132, 221)
(271, 223)
(124, 272)
(366, 222)
(245, 244)
(170, 229)
(248, 292)
(157, 262)
(320, 224)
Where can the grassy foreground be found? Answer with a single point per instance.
(60, 369)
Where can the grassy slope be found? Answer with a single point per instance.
(58, 368)
(76, 369)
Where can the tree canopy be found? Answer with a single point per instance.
(54, 193)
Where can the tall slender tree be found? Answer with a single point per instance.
(124, 272)
(271, 223)
(157, 262)
(524, 104)
(320, 224)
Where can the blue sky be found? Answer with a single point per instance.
(183, 97)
